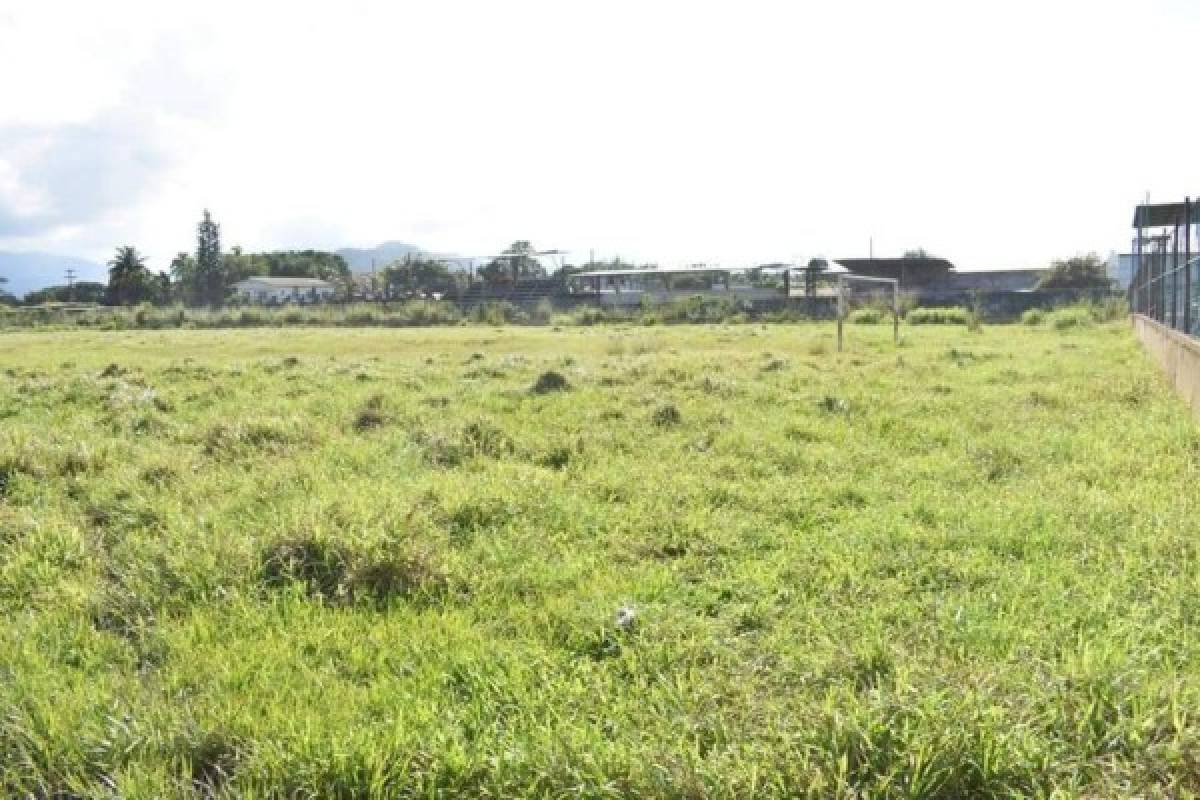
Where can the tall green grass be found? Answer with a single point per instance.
(693, 561)
(938, 316)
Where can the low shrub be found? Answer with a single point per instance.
(319, 566)
(1034, 316)
(1074, 317)
(938, 316)
(336, 573)
(1109, 309)
(865, 316)
(550, 381)
(542, 313)
(498, 313)
(667, 416)
(833, 405)
(369, 419)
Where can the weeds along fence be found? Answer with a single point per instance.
(1166, 288)
(993, 307)
(1004, 305)
(412, 313)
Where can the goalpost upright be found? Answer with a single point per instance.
(845, 280)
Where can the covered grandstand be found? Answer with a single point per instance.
(756, 285)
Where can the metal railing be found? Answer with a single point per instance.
(1166, 288)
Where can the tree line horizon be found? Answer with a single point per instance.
(204, 278)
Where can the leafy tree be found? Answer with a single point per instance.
(6, 299)
(1079, 272)
(81, 292)
(210, 269)
(160, 286)
(516, 262)
(307, 264)
(129, 282)
(811, 274)
(237, 266)
(285, 263)
(185, 281)
(416, 275)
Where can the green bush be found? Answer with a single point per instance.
(587, 315)
(252, 318)
(866, 316)
(542, 313)
(1072, 317)
(1108, 309)
(939, 316)
(699, 308)
(1033, 316)
(361, 316)
(498, 313)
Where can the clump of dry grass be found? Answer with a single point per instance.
(338, 573)
(667, 416)
(550, 381)
(371, 415)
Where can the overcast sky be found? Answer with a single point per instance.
(995, 134)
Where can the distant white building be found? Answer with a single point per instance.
(1121, 268)
(261, 289)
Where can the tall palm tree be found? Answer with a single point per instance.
(128, 278)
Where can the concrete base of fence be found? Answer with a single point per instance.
(1177, 354)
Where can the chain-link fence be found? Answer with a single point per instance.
(1166, 288)
(1166, 265)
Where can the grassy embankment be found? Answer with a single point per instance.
(378, 563)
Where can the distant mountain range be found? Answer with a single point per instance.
(361, 259)
(27, 272)
(364, 259)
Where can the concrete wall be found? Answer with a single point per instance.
(633, 297)
(260, 293)
(992, 280)
(1000, 306)
(1177, 354)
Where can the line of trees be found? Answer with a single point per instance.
(203, 278)
(200, 278)
(1078, 272)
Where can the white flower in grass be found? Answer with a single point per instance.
(626, 617)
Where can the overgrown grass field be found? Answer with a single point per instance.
(390, 563)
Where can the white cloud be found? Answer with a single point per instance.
(1000, 134)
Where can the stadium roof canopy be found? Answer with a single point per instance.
(1162, 215)
(904, 269)
(766, 268)
(625, 273)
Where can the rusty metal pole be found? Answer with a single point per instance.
(841, 307)
(1162, 279)
(895, 314)
(1187, 265)
(1175, 275)
(1139, 277)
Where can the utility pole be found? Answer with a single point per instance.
(70, 285)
